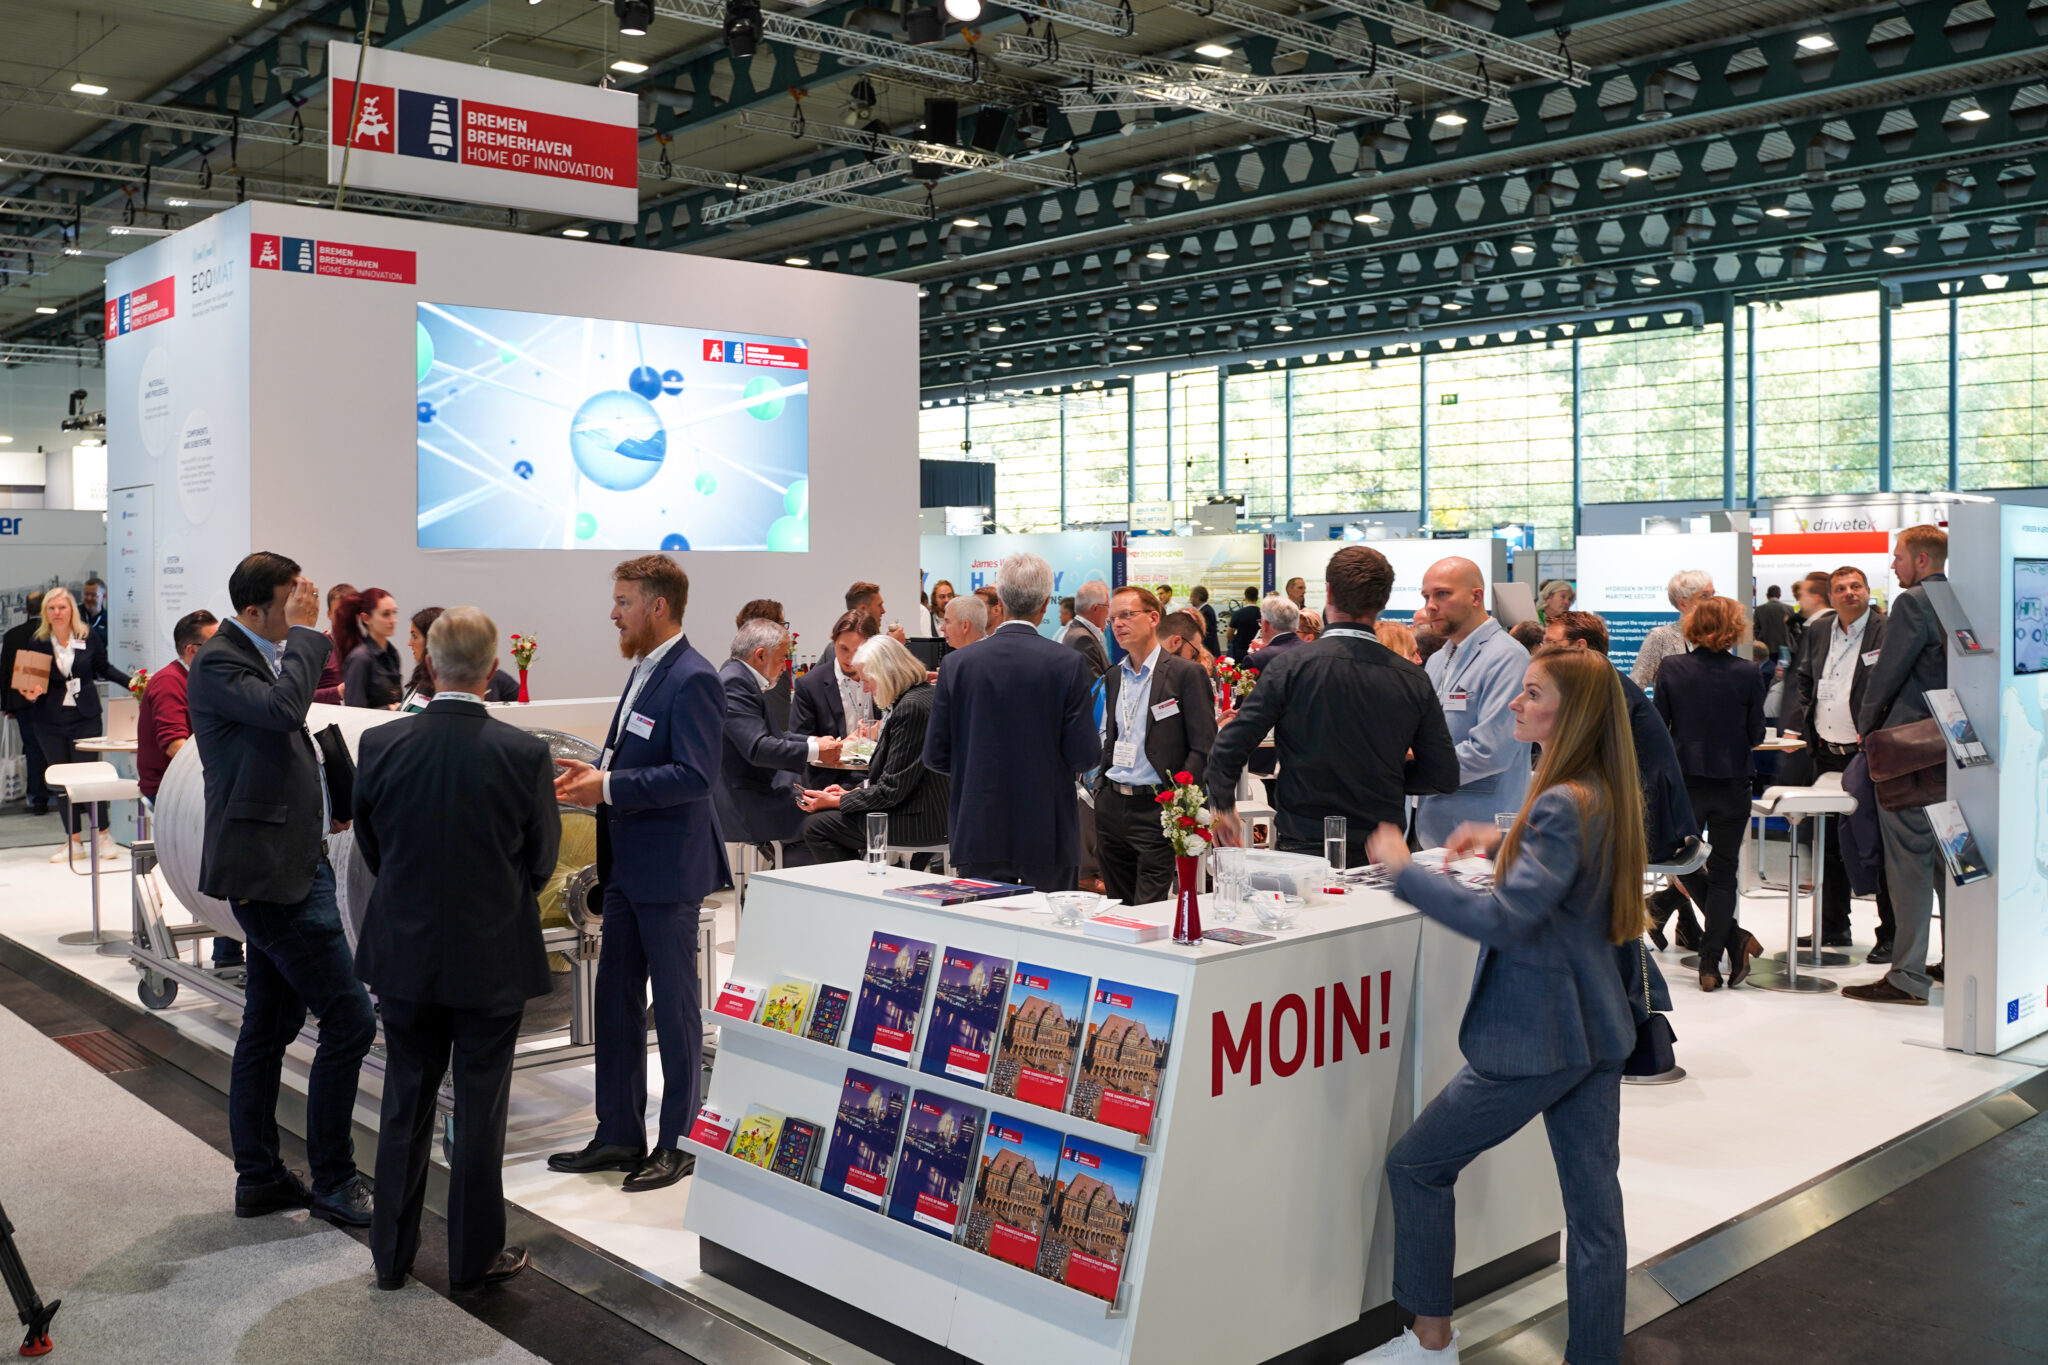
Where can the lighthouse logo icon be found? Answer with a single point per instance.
(440, 130)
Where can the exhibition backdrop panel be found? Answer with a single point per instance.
(970, 562)
(1781, 560)
(289, 378)
(1624, 578)
(1996, 930)
(1226, 565)
(41, 549)
(1307, 560)
(1258, 1221)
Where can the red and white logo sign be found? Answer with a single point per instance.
(340, 260)
(143, 307)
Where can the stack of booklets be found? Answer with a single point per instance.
(864, 1138)
(939, 1139)
(1013, 1191)
(892, 988)
(1041, 1035)
(1061, 1207)
(1130, 1029)
(967, 1016)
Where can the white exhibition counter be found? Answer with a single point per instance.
(1260, 1222)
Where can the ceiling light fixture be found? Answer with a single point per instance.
(796, 260)
(634, 16)
(6, 440)
(1316, 281)
(966, 222)
(1635, 172)
(742, 27)
(1648, 280)
(1365, 216)
(1453, 306)
(87, 88)
(575, 232)
(1451, 118)
(1003, 364)
(1134, 346)
(963, 11)
(1175, 178)
(1973, 114)
(1283, 326)
(996, 327)
(1525, 248)
(1148, 306)
(1214, 51)
(1155, 252)
(631, 68)
(1816, 42)
(1895, 249)
(1777, 211)
(46, 310)
(985, 286)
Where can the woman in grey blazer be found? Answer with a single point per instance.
(1548, 1025)
(898, 782)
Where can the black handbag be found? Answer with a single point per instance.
(338, 768)
(1654, 1054)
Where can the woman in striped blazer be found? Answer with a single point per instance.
(898, 782)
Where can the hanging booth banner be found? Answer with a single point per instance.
(1625, 579)
(1781, 560)
(454, 131)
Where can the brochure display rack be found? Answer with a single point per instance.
(1222, 1202)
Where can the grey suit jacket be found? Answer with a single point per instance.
(1545, 995)
(1082, 640)
(756, 792)
(1915, 660)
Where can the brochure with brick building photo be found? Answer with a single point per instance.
(1094, 1201)
(1013, 1191)
(1041, 1035)
(1130, 1029)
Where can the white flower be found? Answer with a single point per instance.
(1205, 816)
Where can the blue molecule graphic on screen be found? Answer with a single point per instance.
(618, 440)
(646, 381)
(671, 382)
(707, 483)
(673, 541)
(524, 469)
(425, 411)
(770, 393)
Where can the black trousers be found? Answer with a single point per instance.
(419, 1042)
(1038, 876)
(1131, 847)
(1722, 805)
(1834, 890)
(836, 836)
(32, 753)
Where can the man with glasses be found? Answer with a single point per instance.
(1159, 719)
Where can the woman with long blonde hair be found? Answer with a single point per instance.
(66, 708)
(1548, 1025)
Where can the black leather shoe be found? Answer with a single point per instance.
(1827, 941)
(1686, 933)
(510, 1262)
(276, 1197)
(1880, 955)
(347, 1207)
(1937, 970)
(389, 1283)
(599, 1156)
(663, 1167)
(1881, 992)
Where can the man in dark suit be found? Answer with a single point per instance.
(1013, 724)
(1159, 720)
(92, 610)
(821, 697)
(757, 789)
(1356, 725)
(1830, 680)
(1244, 625)
(1084, 633)
(1198, 598)
(451, 944)
(659, 854)
(1280, 616)
(1912, 662)
(1773, 623)
(264, 852)
(16, 705)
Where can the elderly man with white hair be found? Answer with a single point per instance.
(1013, 724)
(966, 621)
(1278, 617)
(756, 792)
(1084, 633)
(1686, 590)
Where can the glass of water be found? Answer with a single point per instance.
(878, 841)
(1229, 883)
(1336, 832)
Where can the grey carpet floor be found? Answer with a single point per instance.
(129, 1219)
(19, 829)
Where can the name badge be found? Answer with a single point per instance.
(1124, 755)
(637, 724)
(1870, 658)
(1455, 699)
(1169, 707)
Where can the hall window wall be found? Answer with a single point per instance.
(1946, 391)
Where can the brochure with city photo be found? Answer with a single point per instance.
(864, 1138)
(1958, 846)
(1094, 1201)
(939, 1138)
(1963, 745)
(891, 997)
(1013, 1191)
(966, 1016)
(1130, 1029)
(1041, 1036)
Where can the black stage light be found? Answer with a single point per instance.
(942, 121)
(991, 125)
(923, 24)
(635, 16)
(742, 27)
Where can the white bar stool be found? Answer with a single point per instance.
(91, 783)
(1794, 805)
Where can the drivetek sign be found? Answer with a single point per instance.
(455, 131)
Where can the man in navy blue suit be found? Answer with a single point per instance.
(658, 855)
(1013, 722)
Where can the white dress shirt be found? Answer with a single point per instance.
(643, 669)
(1833, 720)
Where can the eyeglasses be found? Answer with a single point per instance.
(1126, 615)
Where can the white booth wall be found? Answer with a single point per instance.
(1308, 560)
(1624, 579)
(277, 410)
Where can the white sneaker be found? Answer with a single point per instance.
(1407, 1350)
(109, 850)
(61, 855)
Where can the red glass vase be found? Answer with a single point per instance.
(1187, 905)
(523, 696)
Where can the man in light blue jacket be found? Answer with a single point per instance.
(1475, 676)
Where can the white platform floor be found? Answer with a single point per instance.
(1781, 1089)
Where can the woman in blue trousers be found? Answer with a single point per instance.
(1548, 1025)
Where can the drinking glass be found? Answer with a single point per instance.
(1229, 883)
(1335, 835)
(878, 841)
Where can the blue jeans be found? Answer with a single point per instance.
(1581, 1111)
(298, 960)
(647, 943)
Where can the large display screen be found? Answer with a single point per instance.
(2030, 616)
(539, 431)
